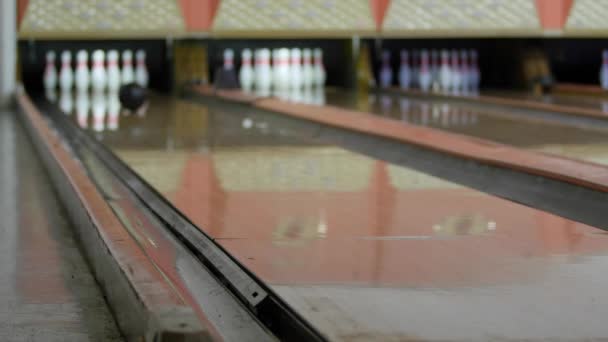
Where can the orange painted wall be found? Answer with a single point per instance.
(553, 13)
(378, 8)
(199, 14)
(21, 7)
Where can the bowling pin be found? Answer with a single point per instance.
(307, 73)
(228, 59)
(435, 70)
(274, 56)
(141, 71)
(263, 75)
(83, 76)
(445, 72)
(386, 72)
(465, 72)
(415, 68)
(456, 76)
(66, 75)
(98, 72)
(99, 111)
(424, 75)
(474, 73)
(127, 75)
(295, 74)
(604, 70)
(113, 73)
(318, 68)
(113, 111)
(404, 71)
(50, 72)
(282, 71)
(82, 108)
(246, 71)
(66, 103)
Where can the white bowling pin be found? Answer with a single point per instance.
(604, 70)
(295, 74)
(228, 59)
(319, 75)
(475, 74)
(282, 70)
(99, 111)
(83, 104)
(113, 73)
(50, 72)
(66, 75)
(424, 75)
(66, 103)
(98, 72)
(465, 72)
(435, 70)
(307, 73)
(404, 71)
(456, 72)
(415, 68)
(141, 71)
(445, 72)
(246, 71)
(127, 76)
(386, 72)
(113, 111)
(275, 71)
(263, 75)
(83, 76)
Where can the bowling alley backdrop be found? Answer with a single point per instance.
(493, 44)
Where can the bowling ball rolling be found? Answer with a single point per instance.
(133, 97)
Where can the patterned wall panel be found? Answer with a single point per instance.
(101, 18)
(293, 17)
(588, 16)
(462, 17)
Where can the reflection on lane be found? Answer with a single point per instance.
(560, 139)
(98, 111)
(358, 245)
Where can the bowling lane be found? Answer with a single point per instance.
(533, 134)
(570, 100)
(365, 249)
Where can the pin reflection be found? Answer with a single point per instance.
(99, 110)
(66, 102)
(83, 104)
(113, 110)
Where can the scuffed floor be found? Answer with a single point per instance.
(47, 292)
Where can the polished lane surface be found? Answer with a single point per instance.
(47, 292)
(597, 103)
(499, 126)
(362, 248)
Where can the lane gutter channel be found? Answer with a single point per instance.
(276, 315)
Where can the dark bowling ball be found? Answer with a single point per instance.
(132, 96)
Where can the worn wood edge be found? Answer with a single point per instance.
(143, 311)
